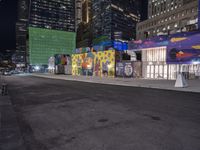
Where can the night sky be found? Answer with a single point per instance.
(7, 24)
(144, 9)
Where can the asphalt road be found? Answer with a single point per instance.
(69, 115)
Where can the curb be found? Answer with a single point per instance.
(118, 84)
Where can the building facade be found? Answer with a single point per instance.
(54, 14)
(78, 10)
(164, 57)
(86, 11)
(83, 11)
(115, 19)
(168, 17)
(84, 30)
(21, 33)
(47, 28)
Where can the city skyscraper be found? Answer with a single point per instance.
(169, 16)
(86, 11)
(84, 29)
(54, 14)
(159, 7)
(49, 27)
(83, 11)
(21, 32)
(78, 7)
(115, 19)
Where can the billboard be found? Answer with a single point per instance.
(100, 63)
(44, 43)
(184, 49)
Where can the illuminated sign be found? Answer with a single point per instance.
(120, 46)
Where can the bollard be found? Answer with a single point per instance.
(4, 90)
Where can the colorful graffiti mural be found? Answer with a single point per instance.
(94, 63)
(152, 42)
(184, 49)
(62, 59)
(62, 64)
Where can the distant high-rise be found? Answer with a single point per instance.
(49, 27)
(168, 16)
(21, 32)
(84, 17)
(54, 14)
(115, 19)
(83, 11)
(86, 11)
(78, 11)
(23, 10)
(159, 7)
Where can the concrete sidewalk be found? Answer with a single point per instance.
(194, 85)
(10, 136)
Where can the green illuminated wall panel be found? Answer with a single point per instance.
(44, 43)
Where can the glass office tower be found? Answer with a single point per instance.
(21, 33)
(115, 19)
(51, 29)
(54, 14)
(44, 28)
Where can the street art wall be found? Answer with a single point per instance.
(184, 49)
(100, 63)
(124, 69)
(157, 41)
(62, 63)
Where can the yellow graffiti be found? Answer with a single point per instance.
(99, 63)
(196, 47)
(173, 40)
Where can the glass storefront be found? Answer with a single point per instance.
(154, 66)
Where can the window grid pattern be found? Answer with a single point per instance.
(44, 43)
